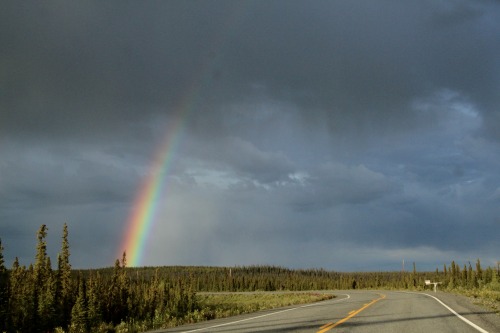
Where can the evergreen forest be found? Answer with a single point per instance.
(40, 298)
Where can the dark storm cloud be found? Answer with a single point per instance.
(361, 122)
(362, 65)
(88, 189)
(90, 67)
(39, 176)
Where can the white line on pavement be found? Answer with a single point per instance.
(452, 311)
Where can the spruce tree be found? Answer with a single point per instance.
(65, 288)
(471, 277)
(479, 271)
(41, 253)
(414, 275)
(47, 308)
(15, 281)
(453, 276)
(21, 299)
(117, 301)
(124, 288)
(2, 262)
(464, 276)
(79, 313)
(94, 302)
(494, 284)
(40, 274)
(4, 292)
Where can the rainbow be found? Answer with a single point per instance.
(142, 216)
(141, 219)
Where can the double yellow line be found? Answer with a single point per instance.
(329, 326)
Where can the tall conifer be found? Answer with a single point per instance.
(47, 309)
(65, 288)
(479, 271)
(15, 282)
(2, 262)
(41, 253)
(79, 313)
(40, 274)
(94, 302)
(4, 295)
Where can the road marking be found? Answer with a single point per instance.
(327, 324)
(327, 327)
(268, 314)
(452, 311)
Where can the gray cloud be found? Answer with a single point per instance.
(303, 127)
(89, 67)
(336, 184)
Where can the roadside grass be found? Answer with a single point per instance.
(485, 297)
(221, 305)
(488, 298)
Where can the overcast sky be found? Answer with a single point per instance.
(347, 135)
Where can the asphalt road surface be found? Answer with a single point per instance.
(364, 311)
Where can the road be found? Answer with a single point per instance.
(363, 311)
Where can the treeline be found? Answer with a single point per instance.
(40, 299)
(123, 299)
(272, 278)
(469, 277)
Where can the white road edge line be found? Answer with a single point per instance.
(268, 314)
(452, 311)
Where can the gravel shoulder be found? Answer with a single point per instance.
(463, 305)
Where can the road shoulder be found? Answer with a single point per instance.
(463, 305)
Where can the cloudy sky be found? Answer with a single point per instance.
(348, 135)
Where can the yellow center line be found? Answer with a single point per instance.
(329, 326)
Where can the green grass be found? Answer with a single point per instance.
(221, 305)
(486, 296)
